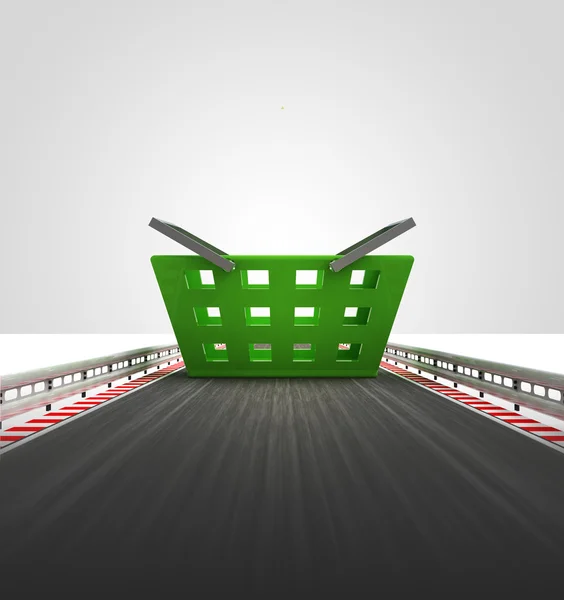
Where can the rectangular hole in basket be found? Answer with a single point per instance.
(199, 280)
(364, 280)
(207, 315)
(306, 315)
(348, 352)
(260, 352)
(216, 352)
(257, 316)
(358, 315)
(304, 352)
(309, 280)
(255, 280)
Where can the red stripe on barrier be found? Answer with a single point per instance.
(88, 404)
(25, 428)
(80, 406)
(544, 432)
(510, 413)
(57, 413)
(539, 428)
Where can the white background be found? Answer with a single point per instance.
(117, 111)
(22, 352)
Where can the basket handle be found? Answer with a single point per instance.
(193, 243)
(360, 249)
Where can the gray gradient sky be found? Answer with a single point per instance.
(115, 112)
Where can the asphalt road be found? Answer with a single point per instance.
(294, 481)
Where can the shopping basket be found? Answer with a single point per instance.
(282, 316)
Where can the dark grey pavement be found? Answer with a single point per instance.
(299, 481)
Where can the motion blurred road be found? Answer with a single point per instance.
(299, 481)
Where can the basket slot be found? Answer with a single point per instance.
(199, 280)
(216, 352)
(364, 280)
(304, 353)
(257, 315)
(260, 352)
(207, 315)
(306, 315)
(255, 279)
(347, 352)
(358, 315)
(309, 280)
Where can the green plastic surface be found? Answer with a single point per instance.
(331, 342)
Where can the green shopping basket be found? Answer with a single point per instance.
(282, 316)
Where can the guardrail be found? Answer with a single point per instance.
(540, 390)
(21, 392)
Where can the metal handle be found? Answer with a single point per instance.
(360, 249)
(190, 241)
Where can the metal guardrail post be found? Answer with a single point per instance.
(20, 392)
(540, 390)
